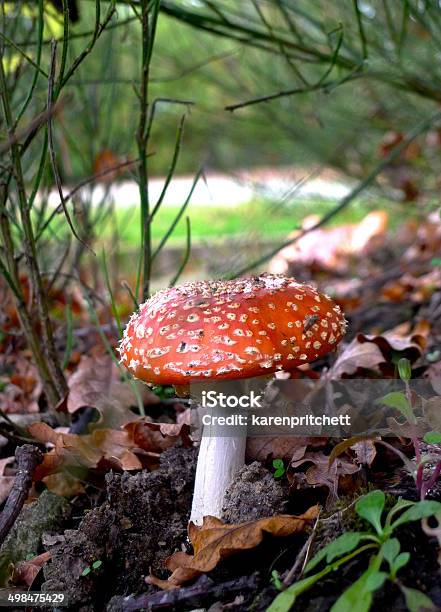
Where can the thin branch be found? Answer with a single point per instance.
(323, 86)
(172, 168)
(26, 57)
(28, 458)
(35, 124)
(186, 254)
(178, 216)
(364, 47)
(78, 187)
(419, 129)
(52, 149)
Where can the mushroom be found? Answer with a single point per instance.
(224, 330)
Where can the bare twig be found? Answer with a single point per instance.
(204, 590)
(319, 86)
(28, 458)
(149, 18)
(302, 557)
(80, 185)
(52, 155)
(43, 348)
(34, 125)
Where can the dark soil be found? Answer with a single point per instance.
(143, 520)
(254, 494)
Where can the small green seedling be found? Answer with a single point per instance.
(385, 558)
(95, 565)
(279, 466)
(164, 392)
(423, 462)
(275, 579)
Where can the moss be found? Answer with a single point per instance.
(45, 515)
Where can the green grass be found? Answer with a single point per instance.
(255, 219)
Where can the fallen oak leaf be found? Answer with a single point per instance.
(83, 451)
(157, 437)
(135, 446)
(356, 356)
(324, 473)
(215, 540)
(343, 446)
(261, 448)
(25, 572)
(365, 451)
(97, 382)
(399, 339)
(371, 352)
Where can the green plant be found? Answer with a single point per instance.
(404, 403)
(384, 562)
(90, 568)
(279, 467)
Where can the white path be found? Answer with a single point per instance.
(216, 189)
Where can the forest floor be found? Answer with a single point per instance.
(110, 502)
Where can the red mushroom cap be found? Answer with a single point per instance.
(230, 329)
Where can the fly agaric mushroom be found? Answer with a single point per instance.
(220, 330)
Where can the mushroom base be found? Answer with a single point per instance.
(220, 457)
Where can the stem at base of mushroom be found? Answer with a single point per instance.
(220, 456)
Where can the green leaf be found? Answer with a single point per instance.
(86, 571)
(398, 400)
(391, 549)
(376, 581)
(400, 561)
(420, 510)
(279, 467)
(404, 369)
(433, 437)
(359, 595)
(275, 579)
(343, 544)
(285, 600)
(370, 507)
(400, 505)
(416, 601)
(97, 564)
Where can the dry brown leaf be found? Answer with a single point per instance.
(6, 482)
(97, 383)
(370, 352)
(215, 540)
(83, 451)
(432, 412)
(330, 248)
(400, 339)
(433, 373)
(356, 356)
(403, 429)
(262, 448)
(21, 386)
(25, 572)
(325, 473)
(156, 437)
(135, 446)
(365, 452)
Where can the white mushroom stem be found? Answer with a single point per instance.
(220, 456)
